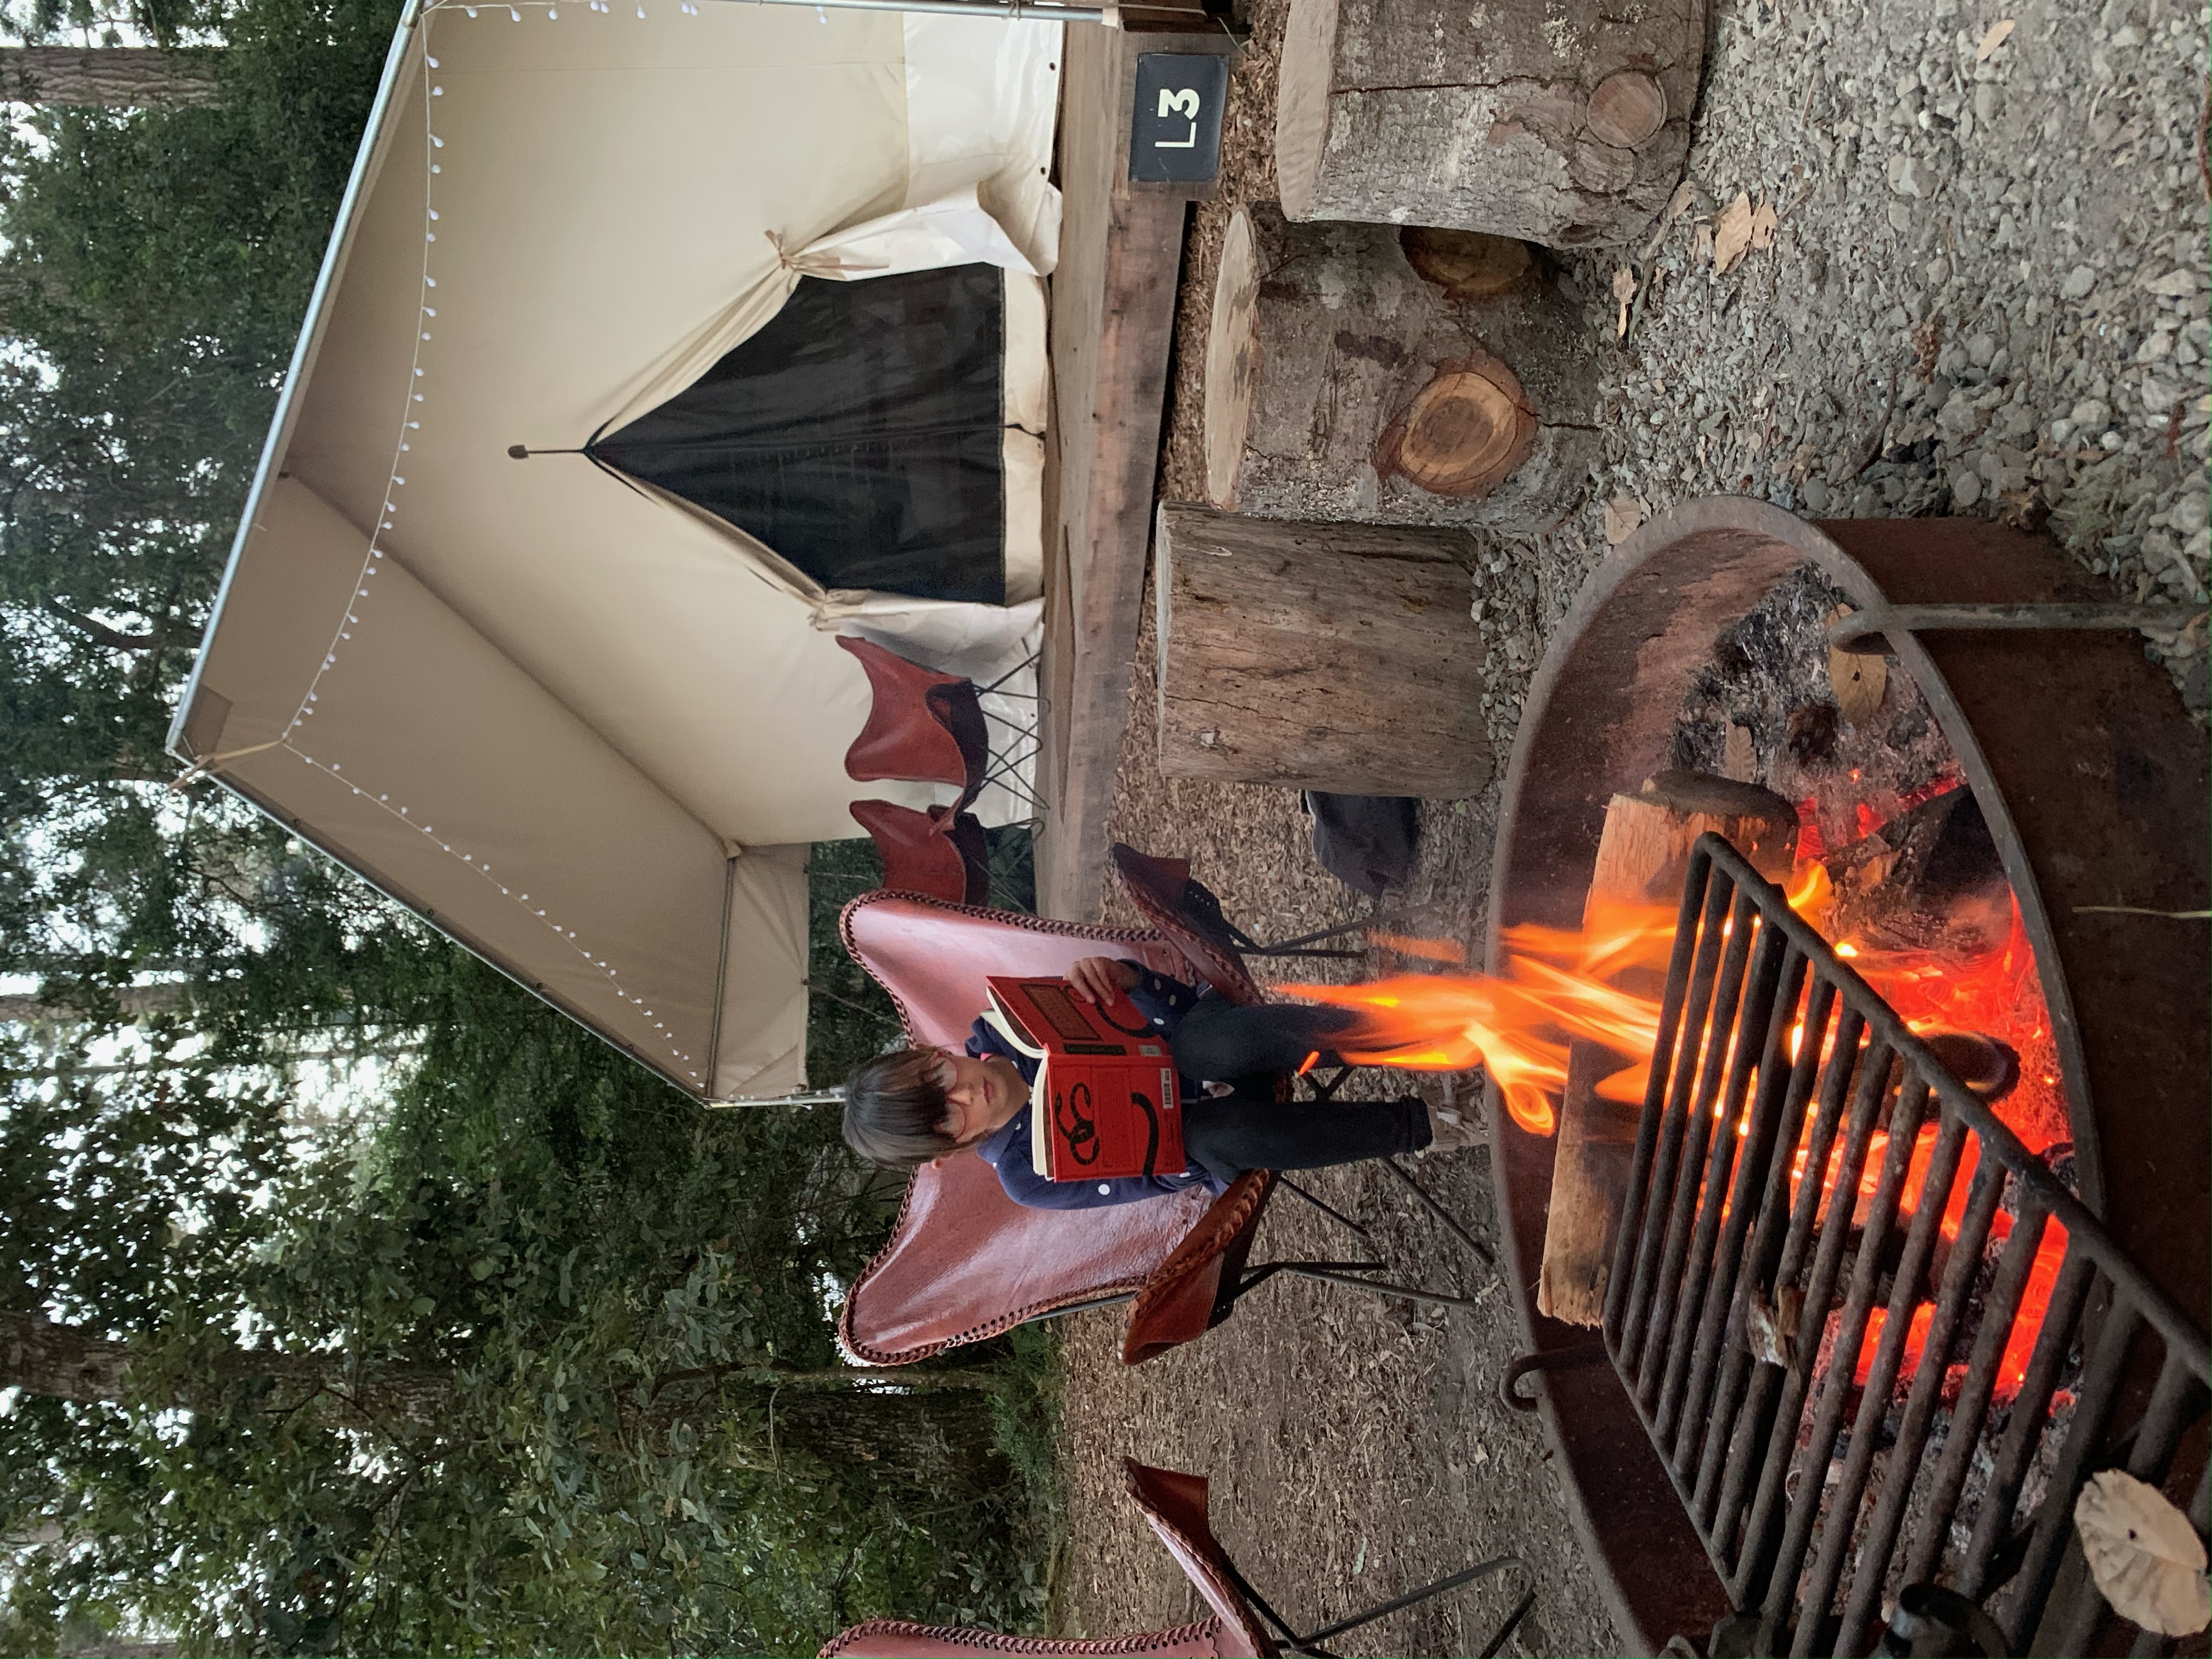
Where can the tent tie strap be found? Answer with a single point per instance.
(808, 263)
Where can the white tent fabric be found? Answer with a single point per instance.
(474, 678)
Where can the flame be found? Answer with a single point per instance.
(1517, 1027)
(1428, 950)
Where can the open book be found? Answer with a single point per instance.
(1105, 1103)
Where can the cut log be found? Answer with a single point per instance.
(1555, 123)
(1421, 377)
(1333, 657)
(1643, 856)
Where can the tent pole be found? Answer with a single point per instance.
(1012, 10)
(804, 1097)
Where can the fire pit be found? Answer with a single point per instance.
(2094, 790)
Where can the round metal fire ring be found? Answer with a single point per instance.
(2094, 784)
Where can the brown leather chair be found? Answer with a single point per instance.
(1175, 1505)
(965, 1263)
(923, 727)
(941, 853)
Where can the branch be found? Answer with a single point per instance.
(101, 634)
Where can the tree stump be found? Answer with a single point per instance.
(1336, 657)
(1554, 122)
(1643, 856)
(1415, 377)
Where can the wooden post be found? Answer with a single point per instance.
(1337, 657)
(1552, 122)
(1421, 377)
(1643, 856)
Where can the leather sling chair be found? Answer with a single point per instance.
(964, 1263)
(927, 727)
(940, 852)
(1175, 1505)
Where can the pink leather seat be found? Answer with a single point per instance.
(965, 1261)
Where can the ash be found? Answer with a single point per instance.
(1765, 712)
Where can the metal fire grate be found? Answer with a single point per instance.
(1827, 1506)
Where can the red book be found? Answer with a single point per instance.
(1105, 1103)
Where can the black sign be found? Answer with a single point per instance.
(1175, 136)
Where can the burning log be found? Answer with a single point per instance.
(1643, 856)
(1562, 125)
(1337, 657)
(1930, 879)
(1414, 377)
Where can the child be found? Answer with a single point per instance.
(916, 1106)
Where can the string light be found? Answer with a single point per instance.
(374, 553)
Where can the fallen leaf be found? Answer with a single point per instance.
(1622, 514)
(1739, 756)
(1678, 203)
(1732, 234)
(1858, 681)
(1624, 290)
(1762, 226)
(1704, 240)
(2144, 1554)
(1999, 33)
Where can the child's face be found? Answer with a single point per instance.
(979, 1094)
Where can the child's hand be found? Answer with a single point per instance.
(1099, 979)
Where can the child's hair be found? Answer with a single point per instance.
(895, 1110)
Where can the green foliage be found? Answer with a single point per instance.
(639, 1440)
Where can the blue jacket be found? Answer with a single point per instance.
(1162, 1000)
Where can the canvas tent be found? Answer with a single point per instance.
(772, 279)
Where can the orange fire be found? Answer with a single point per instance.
(1597, 982)
(1517, 1027)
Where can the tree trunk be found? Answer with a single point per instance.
(921, 1442)
(120, 77)
(1336, 656)
(1643, 856)
(71, 1363)
(139, 1002)
(1550, 122)
(933, 1429)
(1422, 377)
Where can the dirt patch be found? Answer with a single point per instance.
(1356, 1445)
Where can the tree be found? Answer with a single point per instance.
(135, 78)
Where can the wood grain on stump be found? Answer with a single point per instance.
(1337, 657)
(1642, 857)
(1422, 377)
(1558, 122)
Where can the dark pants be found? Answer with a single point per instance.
(1249, 1049)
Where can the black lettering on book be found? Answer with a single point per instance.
(1105, 1012)
(1071, 1115)
(1152, 1131)
(1061, 1010)
(1093, 1048)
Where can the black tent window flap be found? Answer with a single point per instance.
(858, 434)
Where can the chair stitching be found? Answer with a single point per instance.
(992, 1641)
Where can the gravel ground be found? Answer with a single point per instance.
(1985, 293)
